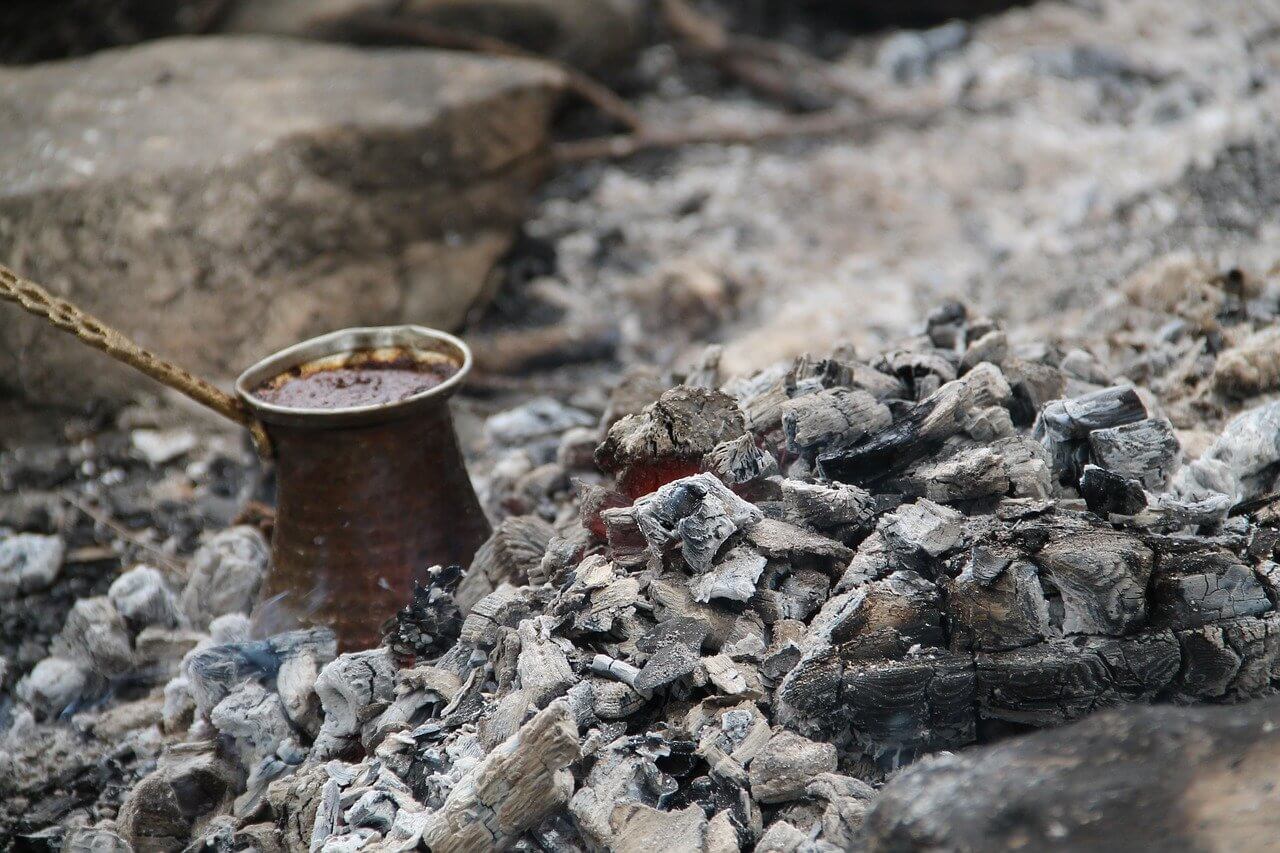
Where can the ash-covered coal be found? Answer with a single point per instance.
(786, 587)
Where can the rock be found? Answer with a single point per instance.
(786, 766)
(226, 573)
(29, 562)
(273, 189)
(1159, 778)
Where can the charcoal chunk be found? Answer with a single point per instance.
(1106, 492)
(1063, 680)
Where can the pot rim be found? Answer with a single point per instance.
(348, 340)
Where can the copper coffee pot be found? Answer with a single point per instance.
(368, 498)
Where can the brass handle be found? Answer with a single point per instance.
(63, 315)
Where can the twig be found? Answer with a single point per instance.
(123, 532)
(775, 70)
(621, 147)
(422, 33)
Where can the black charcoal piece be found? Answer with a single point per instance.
(1105, 492)
(1145, 450)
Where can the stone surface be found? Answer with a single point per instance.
(219, 199)
(1139, 779)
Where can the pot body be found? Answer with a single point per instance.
(367, 500)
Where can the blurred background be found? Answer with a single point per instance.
(586, 187)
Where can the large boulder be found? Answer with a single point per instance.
(220, 198)
(1159, 778)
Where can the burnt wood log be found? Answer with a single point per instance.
(1190, 590)
(1063, 680)
(1229, 661)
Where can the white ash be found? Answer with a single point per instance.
(29, 562)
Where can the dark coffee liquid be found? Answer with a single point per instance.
(345, 387)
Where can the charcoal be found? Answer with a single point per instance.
(1031, 386)
(791, 588)
(214, 672)
(226, 574)
(28, 563)
(839, 510)
(959, 406)
(540, 418)
(1251, 368)
(1229, 661)
(968, 474)
(900, 708)
(1106, 492)
(55, 685)
(997, 603)
(429, 624)
(95, 635)
(1145, 450)
(669, 438)
(734, 578)
(699, 513)
(514, 549)
(992, 347)
(143, 598)
(779, 540)
(1238, 463)
(830, 420)
(511, 790)
(742, 464)
(922, 530)
(1064, 680)
(1101, 576)
(785, 766)
(1064, 425)
(1192, 590)
(349, 688)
